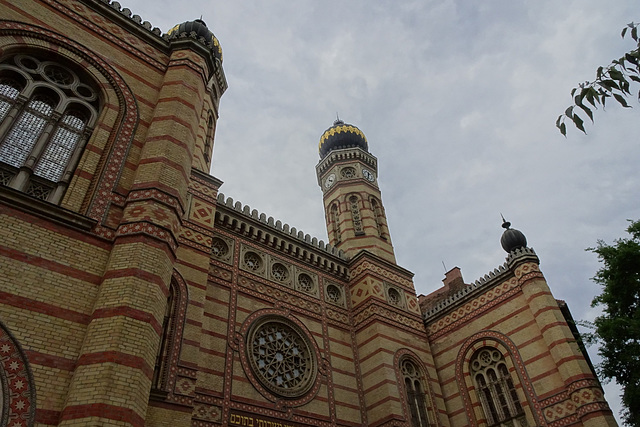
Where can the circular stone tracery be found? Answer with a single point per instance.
(281, 357)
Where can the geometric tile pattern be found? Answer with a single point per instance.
(412, 303)
(366, 288)
(390, 315)
(204, 412)
(567, 408)
(185, 386)
(390, 276)
(201, 213)
(481, 302)
(196, 237)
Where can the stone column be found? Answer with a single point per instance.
(113, 375)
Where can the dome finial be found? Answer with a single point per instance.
(511, 239)
(505, 224)
(341, 135)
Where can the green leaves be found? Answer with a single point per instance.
(617, 329)
(613, 81)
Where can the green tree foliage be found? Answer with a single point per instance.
(613, 81)
(617, 330)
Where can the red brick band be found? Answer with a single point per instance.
(102, 410)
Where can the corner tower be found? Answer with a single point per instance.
(348, 176)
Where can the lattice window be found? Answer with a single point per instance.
(334, 294)
(394, 296)
(10, 88)
(279, 272)
(348, 173)
(415, 391)
(219, 247)
(305, 282)
(252, 261)
(355, 215)
(46, 115)
(496, 389)
(281, 357)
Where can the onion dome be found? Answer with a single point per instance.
(341, 135)
(200, 29)
(512, 239)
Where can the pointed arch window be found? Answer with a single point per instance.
(208, 140)
(415, 393)
(496, 389)
(334, 219)
(161, 369)
(377, 213)
(47, 113)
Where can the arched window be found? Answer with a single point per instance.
(355, 215)
(208, 140)
(334, 218)
(415, 391)
(377, 213)
(47, 113)
(160, 372)
(496, 390)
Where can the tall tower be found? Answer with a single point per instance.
(348, 176)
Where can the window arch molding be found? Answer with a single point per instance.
(514, 363)
(413, 413)
(284, 316)
(170, 331)
(114, 135)
(19, 394)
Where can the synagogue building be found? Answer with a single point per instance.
(133, 292)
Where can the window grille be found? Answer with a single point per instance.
(496, 389)
(47, 113)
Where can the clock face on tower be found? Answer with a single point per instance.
(368, 175)
(330, 180)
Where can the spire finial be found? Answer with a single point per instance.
(505, 224)
(338, 121)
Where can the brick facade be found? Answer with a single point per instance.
(145, 297)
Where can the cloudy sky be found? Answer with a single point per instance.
(458, 100)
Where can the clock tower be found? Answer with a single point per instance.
(348, 176)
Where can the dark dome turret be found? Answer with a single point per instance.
(341, 135)
(200, 29)
(512, 239)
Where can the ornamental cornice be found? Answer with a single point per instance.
(344, 155)
(241, 219)
(485, 283)
(154, 35)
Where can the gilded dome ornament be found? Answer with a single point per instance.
(341, 135)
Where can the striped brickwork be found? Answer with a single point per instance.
(359, 225)
(85, 286)
(516, 314)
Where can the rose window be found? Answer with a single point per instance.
(348, 173)
(305, 282)
(252, 261)
(279, 272)
(333, 294)
(281, 357)
(394, 297)
(219, 248)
